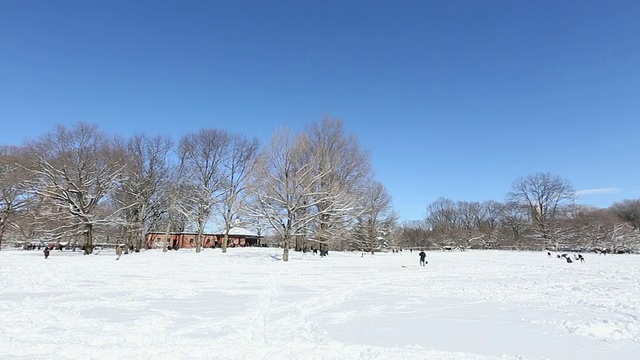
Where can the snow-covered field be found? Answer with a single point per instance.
(247, 304)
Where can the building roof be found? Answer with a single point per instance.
(240, 231)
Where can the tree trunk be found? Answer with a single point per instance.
(225, 238)
(139, 244)
(141, 235)
(1, 232)
(128, 241)
(285, 253)
(88, 237)
(225, 241)
(199, 238)
(166, 237)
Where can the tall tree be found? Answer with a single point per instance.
(516, 221)
(544, 195)
(14, 194)
(472, 216)
(414, 234)
(443, 219)
(344, 170)
(177, 204)
(146, 171)
(284, 187)
(203, 153)
(75, 170)
(376, 220)
(629, 211)
(237, 164)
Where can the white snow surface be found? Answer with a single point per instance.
(248, 304)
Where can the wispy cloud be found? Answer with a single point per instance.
(587, 192)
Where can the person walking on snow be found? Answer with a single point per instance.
(423, 257)
(118, 252)
(46, 252)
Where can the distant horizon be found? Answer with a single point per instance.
(452, 99)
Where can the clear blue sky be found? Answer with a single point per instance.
(452, 98)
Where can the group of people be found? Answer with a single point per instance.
(119, 251)
(576, 257)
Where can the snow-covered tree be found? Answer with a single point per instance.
(343, 169)
(515, 222)
(374, 225)
(545, 195)
(622, 238)
(237, 164)
(629, 211)
(74, 171)
(14, 195)
(414, 233)
(146, 171)
(203, 153)
(443, 219)
(284, 187)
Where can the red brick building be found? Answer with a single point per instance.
(238, 236)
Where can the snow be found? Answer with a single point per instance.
(248, 304)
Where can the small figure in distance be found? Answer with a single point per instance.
(46, 252)
(580, 258)
(118, 252)
(423, 257)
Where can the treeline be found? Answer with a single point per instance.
(539, 213)
(314, 188)
(76, 184)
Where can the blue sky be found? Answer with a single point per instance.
(453, 99)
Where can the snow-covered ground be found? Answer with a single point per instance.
(248, 304)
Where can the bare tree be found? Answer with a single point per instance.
(629, 211)
(491, 214)
(414, 234)
(442, 214)
(471, 217)
(516, 221)
(596, 228)
(544, 195)
(284, 187)
(173, 205)
(490, 224)
(14, 194)
(622, 238)
(75, 169)
(237, 164)
(344, 169)
(203, 153)
(146, 171)
(443, 219)
(376, 220)
(179, 208)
